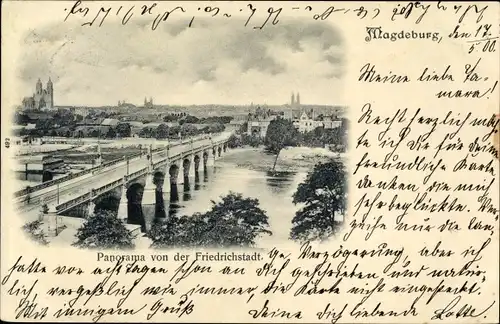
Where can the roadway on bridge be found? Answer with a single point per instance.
(100, 178)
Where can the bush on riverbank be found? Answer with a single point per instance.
(234, 221)
(324, 193)
(253, 141)
(35, 232)
(103, 230)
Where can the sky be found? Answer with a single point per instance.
(213, 62)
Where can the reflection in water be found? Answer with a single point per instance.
(134, 198)
(274, 191)
(174, 200)
(186, 195)
(279, 181)
(160, 212)
(197, 181)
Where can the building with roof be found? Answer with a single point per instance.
(110, 122)
(306, 122)
(329, 122)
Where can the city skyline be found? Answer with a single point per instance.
(186, 66)
(148, 101)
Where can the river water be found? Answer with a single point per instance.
(273, 191)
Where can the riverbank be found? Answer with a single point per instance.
(291, 159)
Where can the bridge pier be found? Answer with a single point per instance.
(185, 169)
(214, 153)
(123, 207)
(173, 173)
(90, 209)
(207, 160)
(166, 179)
(50, 218)
(192, 170)
(149, 201)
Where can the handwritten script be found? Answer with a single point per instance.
(259, 16)
(420, 241)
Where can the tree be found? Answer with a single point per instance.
(173, 132)
(189, 130)
(233, 141)
(34, 230)
(21, 119)
(170, 118)
(123, 130)
(110, 133)
(103, 230)
(94, 133)
(280, 133)
(216, 128)
(234, 221)
(189, 120)
(162, 131)
(324, 193)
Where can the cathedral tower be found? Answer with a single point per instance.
(49, 100)
(39, 87)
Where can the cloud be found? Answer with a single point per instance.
(212, 62)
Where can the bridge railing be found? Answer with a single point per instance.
(196, 149)
(87, 196)
(136, 174)
(72, 176)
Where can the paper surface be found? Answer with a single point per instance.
(250, 162)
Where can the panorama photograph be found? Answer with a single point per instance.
(215, 135)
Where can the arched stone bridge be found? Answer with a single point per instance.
(155, 172)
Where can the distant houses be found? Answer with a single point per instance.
(305, 119)
(95, 127)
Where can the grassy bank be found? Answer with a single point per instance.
(291, 159)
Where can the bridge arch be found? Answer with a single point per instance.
(196, 161)
(205, 159)
(158, 179)
(173, 171)
(134, 206)
(186, 164)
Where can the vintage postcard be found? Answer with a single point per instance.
(302, 162)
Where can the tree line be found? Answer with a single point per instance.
(64, 123)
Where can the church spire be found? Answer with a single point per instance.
(293, 99)
(50, 86)
(39, 86)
